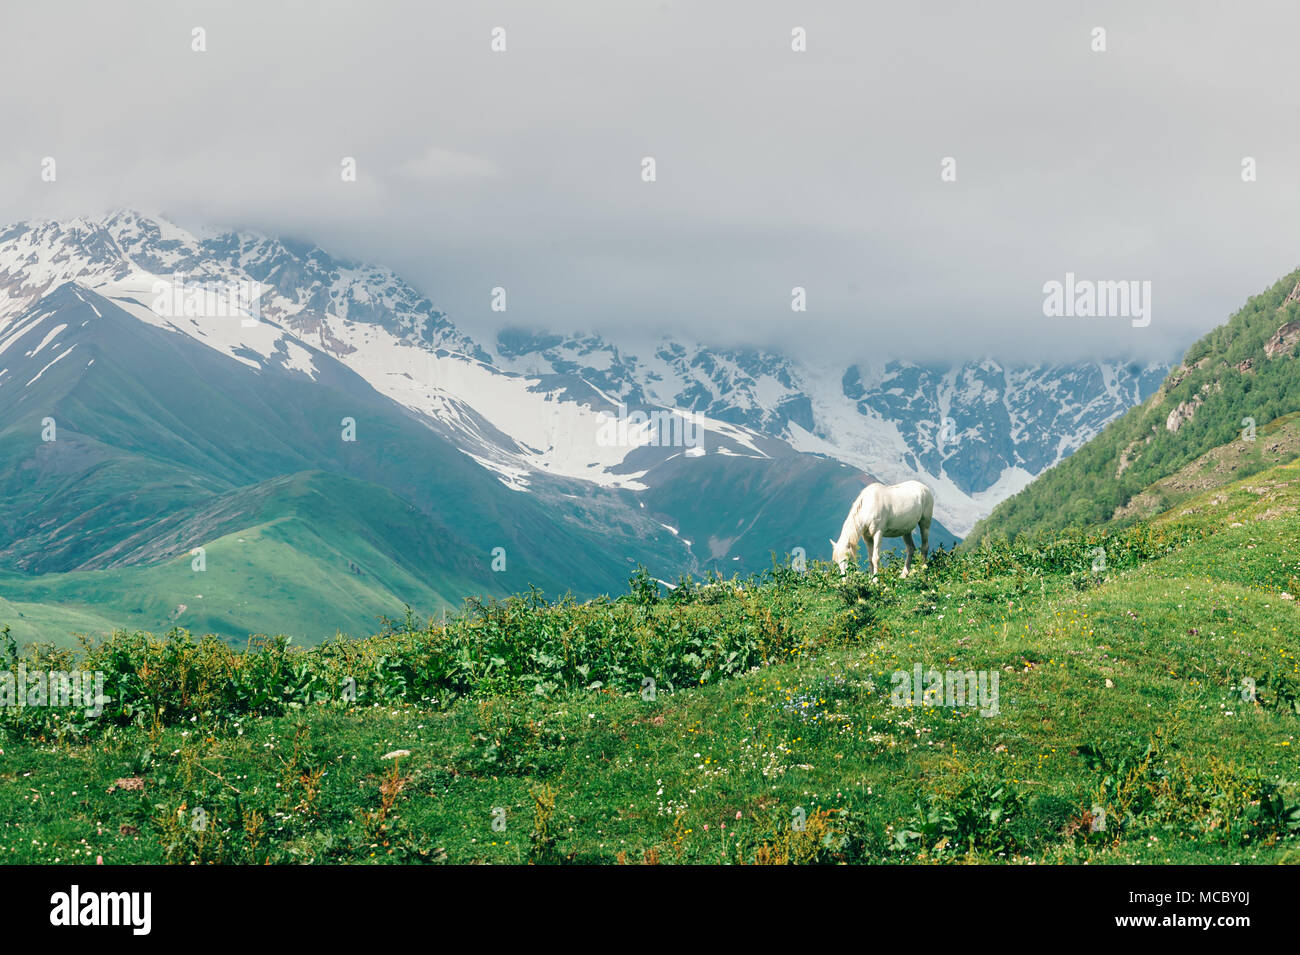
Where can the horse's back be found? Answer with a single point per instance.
(899, 507)
(922, 494)
(912, 495)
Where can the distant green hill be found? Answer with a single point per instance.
(319, 553)
(1230, 386)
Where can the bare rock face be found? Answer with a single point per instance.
(1182, 413)
(1126, 459)
(1282, 342)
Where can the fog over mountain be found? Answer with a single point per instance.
(775, 169)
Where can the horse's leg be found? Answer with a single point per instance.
(911, 548)
(875, 553)
(925, 540)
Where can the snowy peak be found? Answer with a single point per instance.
(538, 404)
(299, 283)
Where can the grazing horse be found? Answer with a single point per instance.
(886, 510)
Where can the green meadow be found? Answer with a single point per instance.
(1147, 710)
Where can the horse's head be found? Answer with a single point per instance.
(842, 551)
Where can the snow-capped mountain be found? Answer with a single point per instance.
(533, 406)
(977, 432)
(260, 301)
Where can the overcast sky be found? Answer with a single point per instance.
(775, 168)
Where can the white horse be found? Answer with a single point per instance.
(886, 510)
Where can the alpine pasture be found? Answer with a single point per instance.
(1148, 705)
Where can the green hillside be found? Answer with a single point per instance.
(163, 444)
(1243, 372)
(1148, 711)
(326, 553)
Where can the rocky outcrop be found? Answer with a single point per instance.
(1183, 413)
(1282, 342)
(1293, 297)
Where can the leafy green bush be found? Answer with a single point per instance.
(982, 816)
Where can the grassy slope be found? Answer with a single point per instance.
(1276, 443)
(1122, 693)
(330, 553)
(1225, 377)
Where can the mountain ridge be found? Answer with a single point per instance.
(896, 421)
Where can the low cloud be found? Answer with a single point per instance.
(446, 165)
(775, 169)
